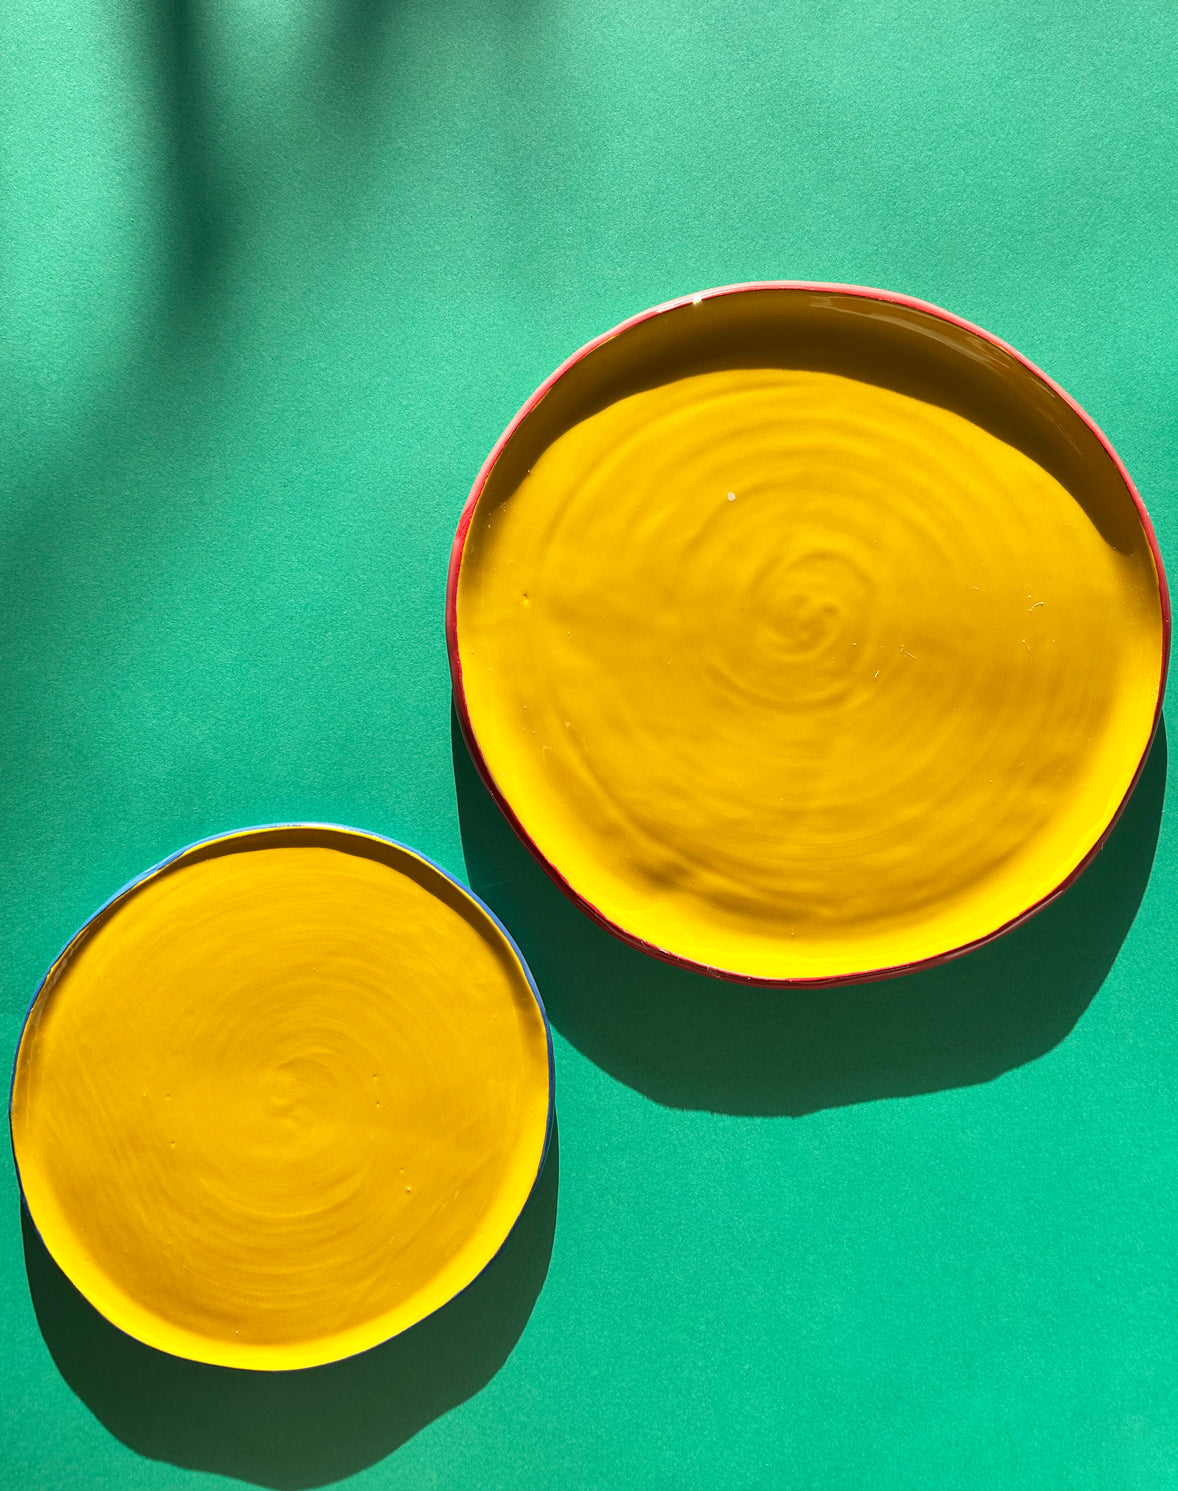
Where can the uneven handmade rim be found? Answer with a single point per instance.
(667, 955)
(109, 906)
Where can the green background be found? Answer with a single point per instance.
(275, 275)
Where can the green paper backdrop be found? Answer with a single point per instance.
(273, 276)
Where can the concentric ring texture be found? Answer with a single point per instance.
(283, 1098)
(795, 675)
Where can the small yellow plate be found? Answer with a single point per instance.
(806, 633)
(281, 1098)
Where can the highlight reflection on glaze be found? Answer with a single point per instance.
(796, 676)
(283, 1102)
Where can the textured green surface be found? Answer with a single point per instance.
(275, 274)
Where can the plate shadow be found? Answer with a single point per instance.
(689, 1041)
(304, 1428)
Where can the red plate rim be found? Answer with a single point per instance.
(861, 292)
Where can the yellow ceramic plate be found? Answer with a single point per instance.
(281, 1098)
(806, 633)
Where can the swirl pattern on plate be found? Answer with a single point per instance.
(279, 1103)
(797, 676)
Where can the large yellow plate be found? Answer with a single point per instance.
(806, 633)
(283, 1097)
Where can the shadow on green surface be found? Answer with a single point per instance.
(693, 1042)
(308, 1428)
(197, 213)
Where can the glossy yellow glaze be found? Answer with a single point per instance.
(797, 677)
(281, 1104)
